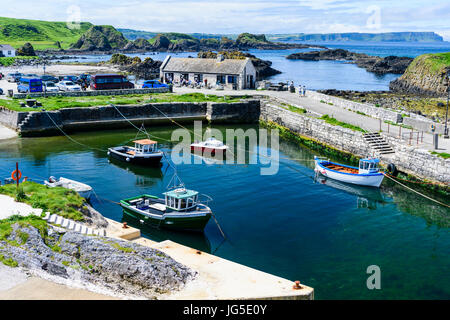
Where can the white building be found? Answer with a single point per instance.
(7, 51)
(237, 73)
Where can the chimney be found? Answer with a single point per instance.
(220, 57)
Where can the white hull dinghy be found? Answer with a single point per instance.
(367, 174)
(210, 146)
(82, 189)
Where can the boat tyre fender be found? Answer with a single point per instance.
(392, 169)
(127, 159)
(108, 153)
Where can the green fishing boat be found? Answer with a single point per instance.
(180, 209)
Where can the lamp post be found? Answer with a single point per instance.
(446, 112)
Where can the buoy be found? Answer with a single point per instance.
(392, 169)
(16, 175)
(108, 153)
(128, 159)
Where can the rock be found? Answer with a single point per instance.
(101, 38)
(26, 50)
(161, 43)
(125, 267)
(391, 64)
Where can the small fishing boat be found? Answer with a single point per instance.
(82, 189)
(180, 210)
(144, 152)
(210, 146)
(368, 173)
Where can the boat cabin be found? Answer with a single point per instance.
(181, 199)
(367, 166)
(145, 146)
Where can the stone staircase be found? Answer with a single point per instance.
(377, 143)
(69, 224)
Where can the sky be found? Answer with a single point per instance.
(254, 16)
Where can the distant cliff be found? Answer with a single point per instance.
(355, 36)
(425, 75)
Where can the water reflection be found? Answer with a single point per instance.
(145, 176)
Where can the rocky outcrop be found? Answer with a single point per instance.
(101, 38)
(26, 50)
(138, 44)
(263, 67)
(126, 268)
(379, 65)
(425, 75)
(147, 69)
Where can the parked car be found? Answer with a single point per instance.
(1, 91)
(68, 86)
(13, 77)
(110, 81)
(1, 76)
(50, 86)
(31, 75)
(27, 85)
(48, 78)
(154, 84)
(70, 78)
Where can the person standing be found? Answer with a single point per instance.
(300, 90)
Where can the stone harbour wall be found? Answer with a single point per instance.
(340, 138)
(247, 111)
(418, 162)
(90, 93)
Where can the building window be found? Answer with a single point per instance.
(198, 77)
(232, 79)
(220, 79)
(9, 53)
(184, 76)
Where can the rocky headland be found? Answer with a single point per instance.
(378, 65)
(426, 75)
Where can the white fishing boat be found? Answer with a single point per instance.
(368, 173)
(210, 146)
(82, 189)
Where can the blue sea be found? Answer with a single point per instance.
(317, 75)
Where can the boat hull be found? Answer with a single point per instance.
(370, 180)
(207, 150)
(149, 160)
(194, 223)
(82, 189)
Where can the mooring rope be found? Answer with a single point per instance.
(69, 137)
(421, 194)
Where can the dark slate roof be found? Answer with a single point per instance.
(198, 65)
(6, 47)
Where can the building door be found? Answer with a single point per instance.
(251, 83)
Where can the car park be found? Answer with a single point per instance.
(68, 86)
(70, 78)
(154, 84)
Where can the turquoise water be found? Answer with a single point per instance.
(320, 232)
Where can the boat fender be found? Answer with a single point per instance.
(128, 159)
(392, 169)
(108, 153)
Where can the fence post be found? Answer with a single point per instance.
(410, 137)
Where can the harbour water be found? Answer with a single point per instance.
(317, 75)
(320, 232)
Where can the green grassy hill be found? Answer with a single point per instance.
(41, 34)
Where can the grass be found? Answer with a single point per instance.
(441, 154)
(41, 34)
(335, 122)
(399, 125)
(59, 102)
(7, 61)
(67, 203)
(292, 108)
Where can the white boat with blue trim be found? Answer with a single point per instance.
(368, 173)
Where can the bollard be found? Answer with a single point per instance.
(125, 226)
(435, 141)
(297, 285)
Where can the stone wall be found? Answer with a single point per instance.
(418, 162)
(36, 123)
(340, 138)
(423, 124)
(91, 93)
(408, 159)
(240, 112)
(368, 109)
